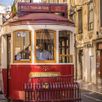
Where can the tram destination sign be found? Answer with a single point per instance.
(41, 8)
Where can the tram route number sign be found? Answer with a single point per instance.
(41, 7)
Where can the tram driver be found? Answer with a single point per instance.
(42, 54)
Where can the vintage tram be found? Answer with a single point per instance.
(37, 54)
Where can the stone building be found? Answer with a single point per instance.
(87, 15)
(55, 1)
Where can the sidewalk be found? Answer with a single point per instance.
(90, 87)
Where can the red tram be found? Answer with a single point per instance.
(37, 54)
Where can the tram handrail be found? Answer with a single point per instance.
(62, 78)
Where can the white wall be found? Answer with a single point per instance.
(4, 52)
(2, 9)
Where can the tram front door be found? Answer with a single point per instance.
(8, 50)
(8, 61)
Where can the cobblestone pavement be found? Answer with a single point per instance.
(89, 96)
(90, 92)
(90, 87)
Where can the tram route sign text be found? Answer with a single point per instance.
(41, 7)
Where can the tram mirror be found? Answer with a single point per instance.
(44, 45)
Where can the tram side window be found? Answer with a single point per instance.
(64, 47)
(22, 45)
(44, 45)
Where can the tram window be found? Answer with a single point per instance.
(45, 45)
(64, 47)
(22, 46)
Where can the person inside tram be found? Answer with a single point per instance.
(23, 54)
(42, 54)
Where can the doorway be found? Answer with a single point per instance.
(8, 51)
(8, 62)
(80, 64)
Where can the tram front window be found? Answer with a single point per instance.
(22, 46)
(44, 45)
(42, 53)
(64, 47)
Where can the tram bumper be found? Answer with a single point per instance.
(52, 92)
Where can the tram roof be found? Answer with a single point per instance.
(40, 18)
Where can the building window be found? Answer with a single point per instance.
(101, 13)
(45, 46)
(90, 15)
(80, 23)
(22, 46)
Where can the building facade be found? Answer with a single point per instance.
(87, 15)
(55, 1)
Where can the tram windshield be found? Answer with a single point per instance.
(44, 45)
(22, 45)
(64, 47)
